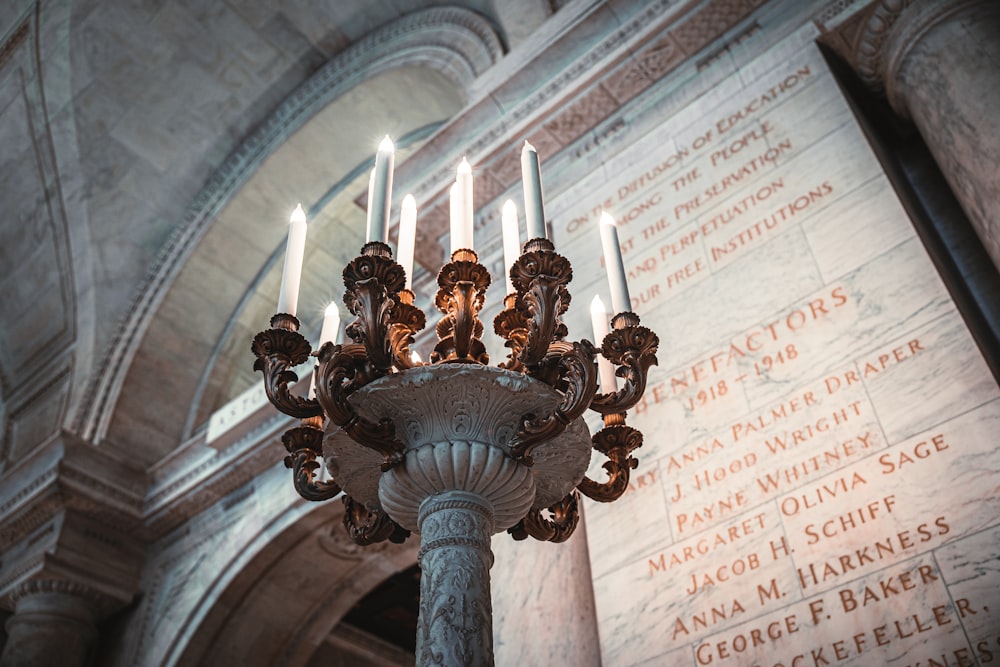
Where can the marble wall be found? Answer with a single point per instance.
(819, 479)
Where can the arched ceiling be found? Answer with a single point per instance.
(168, 98)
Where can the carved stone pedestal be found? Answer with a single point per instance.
(457, 485)
(455, 606)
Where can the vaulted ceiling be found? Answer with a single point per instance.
(166, 142)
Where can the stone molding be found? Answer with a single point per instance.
(98, 601)
(458, 42)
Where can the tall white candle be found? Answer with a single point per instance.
(464, 180)
(614, 265)
(328, 333)
(599, 320)
(382, 192)
(531, 182)
(331, 325)
(291, 274)
(455, 206)
(511, 240)
(407, 237)
(368, 211)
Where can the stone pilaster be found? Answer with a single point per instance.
(54, 624)
(456, 613)
(938, 63)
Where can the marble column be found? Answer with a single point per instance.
(54, 624)
(938, 62)
(544, 613)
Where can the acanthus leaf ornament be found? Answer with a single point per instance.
(540, 276)
(304, 444)
(565, 515)
(462, 292)
(278, 350)
(341, 370)
(633, 349)
(577, 382)
(617, 442)
(368, 526)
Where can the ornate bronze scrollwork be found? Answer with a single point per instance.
(373, 281)
(565, 517)
(304, 444)
(341, 371)
(278, 350)
(617, 442)
(633, 349)
(540, 277)
(577, 381)
(407, 320)
(462, 283)
(367, 526)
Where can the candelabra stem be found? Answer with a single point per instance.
(455, 626)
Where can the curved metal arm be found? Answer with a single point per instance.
(342, 369)
(565, 517)
(617, 443)
(633, 349)
(303, 444)
(577, 381)
(370, 526)
(277, 352)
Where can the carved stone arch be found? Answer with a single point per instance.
(457, 43)
(274, 611)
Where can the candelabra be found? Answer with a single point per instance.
(454, 449)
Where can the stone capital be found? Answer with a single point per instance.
(69, 597)
(888, 34)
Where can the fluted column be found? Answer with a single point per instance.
(54, 624)
(938, 62)
(455, 627)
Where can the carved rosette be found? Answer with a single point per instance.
(456, 612)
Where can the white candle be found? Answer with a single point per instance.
(454, 199)
(407, 237)
(614, 265)
(382, 192)
(464, 180)
(511, 240)
(599, 320)
(531, 182)
(328, 333)
(368, 211)
(291, 274)
(331, 325)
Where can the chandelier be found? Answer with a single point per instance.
(454, 449)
